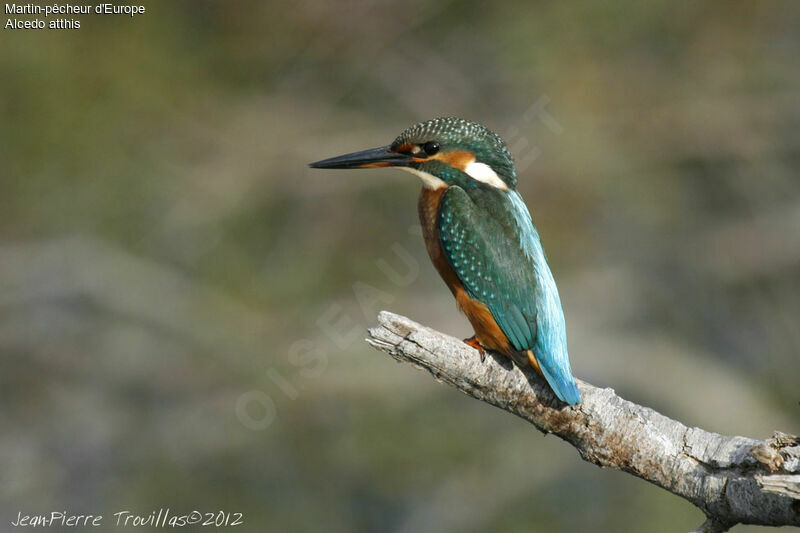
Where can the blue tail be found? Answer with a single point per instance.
(563, 384)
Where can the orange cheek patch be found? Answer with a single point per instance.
(456, 158)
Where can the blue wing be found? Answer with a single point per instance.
(490, 242)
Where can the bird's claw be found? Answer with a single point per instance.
(472, 341)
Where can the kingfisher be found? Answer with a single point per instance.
(481, 239)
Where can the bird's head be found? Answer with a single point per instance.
(442, 152)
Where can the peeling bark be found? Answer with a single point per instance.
(731, 479)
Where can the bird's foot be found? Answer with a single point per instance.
(472, 341)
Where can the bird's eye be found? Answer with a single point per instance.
(431, 147)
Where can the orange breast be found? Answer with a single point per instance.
(487, 331)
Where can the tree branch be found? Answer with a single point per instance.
(731, 479)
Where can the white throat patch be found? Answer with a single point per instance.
(428, 180)
(484, 173)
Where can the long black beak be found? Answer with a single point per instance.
(375, 157)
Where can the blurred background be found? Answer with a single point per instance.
(183, 302)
